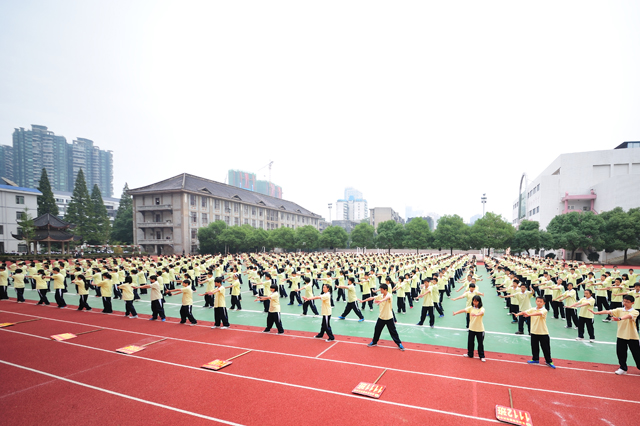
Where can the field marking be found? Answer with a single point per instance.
(240, 376)
(133, 398)
(356, 364)
(321, 353)
(297, 337)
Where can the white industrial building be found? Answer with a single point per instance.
(596, 181)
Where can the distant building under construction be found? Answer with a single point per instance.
(246, 180)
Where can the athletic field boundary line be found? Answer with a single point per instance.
(133, 398)
(322, 353)
(359, 365)
(294, 336)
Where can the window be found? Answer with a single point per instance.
(261, 224)
(538, 187)
(253, 223)
(158, 235)
(216, 204)
(1, 229)
(538, 209)
(236, 208)
(194, 217)
(226, 219)
(246, 221)
(253, 211)
(19, 199)
(260, 212)
(246, 210)
(236, 221)
(227, 208)
(157, 201)
(20, 216)
(585, 208)
(22, 248)
(194, 234)
(192, 200)
(205, 218)
(158, 218)
(204, 201)
(194, 248)
(217, 217)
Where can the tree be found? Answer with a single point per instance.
(79, 211)
(26, 229)
(208, 237)
(283, 238)
(334, 237)
(362, 235)
(573, 231)
(234, 238)
(451, 233)
(491, 231)
(619, 231)
(99, 225)
(257, 239)
(418, 234)
(122, 230)
(527, 237)
(390, 235)
(307, 238)
(46, 202)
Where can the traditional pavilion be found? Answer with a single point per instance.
(50, 229)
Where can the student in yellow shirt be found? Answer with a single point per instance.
(219, 304)
(570, 297)
(273, 317)
(186, 310)
(351, 300)
(83, 293)
(4, 282)
(476, 328)
(18, 284)
(58, 287)
(127, 295)
(105, 286)
(308, 293)
(428, 292)
(539, 332)
(636, 304)
(585, 316)
(627, 336)
(294, 294)
(41, 287)
(385, 319)
(325, 310)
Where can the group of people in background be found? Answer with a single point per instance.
(568, 291)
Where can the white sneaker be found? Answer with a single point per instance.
(223, 327)
(592, 340)
(483, 359)
(465, 355)
(215, 326)
(620, 372)
(579, 338)
(135, 316)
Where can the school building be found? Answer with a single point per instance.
(168, 214)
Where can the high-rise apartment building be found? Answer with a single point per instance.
(246, 180)
(353, 207)
(40, 148)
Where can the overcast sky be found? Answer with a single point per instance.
(423, 104)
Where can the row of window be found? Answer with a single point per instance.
(534, 211)
(534, 190)
(230, 206)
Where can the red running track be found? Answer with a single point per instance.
(289, 379)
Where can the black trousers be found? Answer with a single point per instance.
(365, 296)
(557, 307)
(427, 310)
(306, 305)
(283, 292)
(572, 317)
(341, 295)
(186, 312)
(409, 299)
(602, 304)
(20, 294)
(547, 301)
(352, 306)
(295, 295)
(380, 325)
(220, 317)
(129, 309)
(274, 318)
(581, 323)
(235, 302)
(106, 303)
(326, 327)
(401, 305)
(539, 341)
(522, 321)
(4, 294)
(43, 297)
(82, 302)
(621, 350)
(208, 300)
(157, 308)
(473, 336)
(60, 298)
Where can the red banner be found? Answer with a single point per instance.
(513, 416)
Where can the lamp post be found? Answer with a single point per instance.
(330, 205)
(484, 201)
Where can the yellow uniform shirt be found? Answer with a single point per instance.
(584, 313)
(4, 278)
(385, 307)
(325, 308)
(538, 322)
(18, 280)
(127, 291)
(106, 287)
(218, 298)
(235, 289)
(475, 323)
(571, 297)
(82, 289)
(351, 293)
(274, 305)
(627, 328)
(58, 281)
(187, 296)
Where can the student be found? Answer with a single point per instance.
(585, 316)
(351, 300)
(308, 294)
(83, 293)
(235, 293)
(4, 282)
(127, 295)
(476, 328)
(294, 294)
(325, 310)
(105, 287)
(219, 305)
(385, 318)
(18, 284)
(157, 304)
(428, 291)
(400, 293)
(273, 317)
(539, 332)
(58, 287)
(627, 336)
(469, 294)
(208, 298)
(636, 304)
(41, 287)
(570, 297)
(186, 310)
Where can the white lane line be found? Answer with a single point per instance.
(121, 395)
(293, 336)
(397, 404)
(321, 353)
(462, 379)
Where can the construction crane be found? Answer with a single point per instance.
(267, 165)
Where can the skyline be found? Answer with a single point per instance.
(421, 105)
